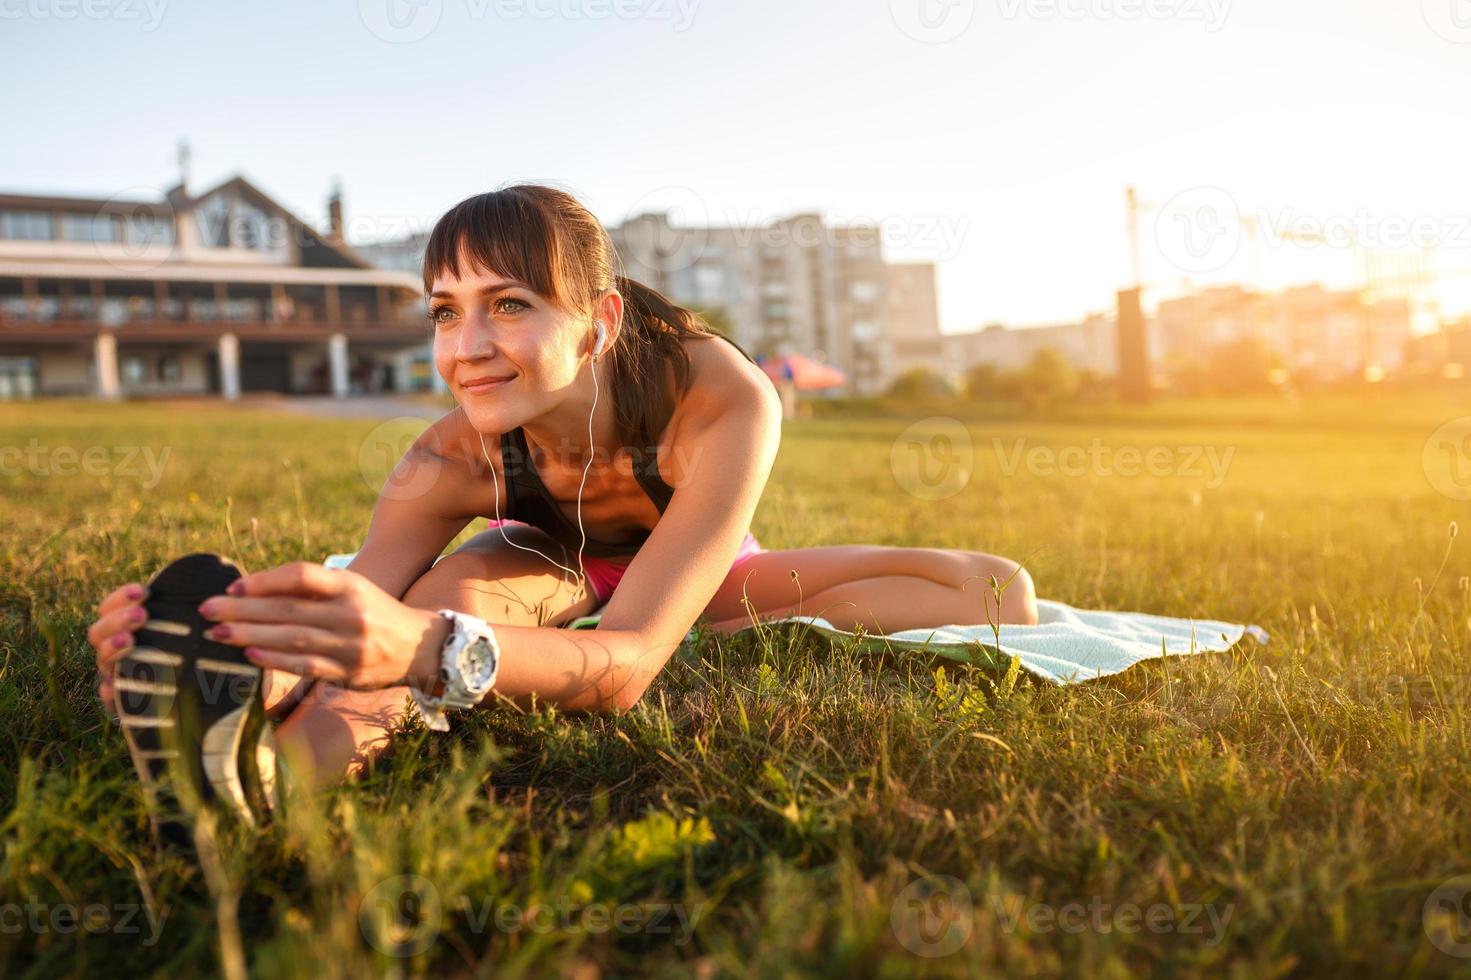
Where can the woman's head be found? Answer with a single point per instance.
(517, 279)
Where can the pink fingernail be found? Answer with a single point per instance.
(122, 640)
(137, 615)
(220, 632)
(252, 654)
(209, 607)
(135, 592)
(236, 587)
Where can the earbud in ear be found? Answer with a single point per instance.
(602, 340)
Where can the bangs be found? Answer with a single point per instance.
(501, 232)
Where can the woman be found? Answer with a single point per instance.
(590, 406)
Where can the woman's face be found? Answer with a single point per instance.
(507, 353)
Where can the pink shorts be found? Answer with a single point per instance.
(604, 574)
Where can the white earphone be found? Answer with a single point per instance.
(581, 573)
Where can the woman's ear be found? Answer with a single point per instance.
(609, 312)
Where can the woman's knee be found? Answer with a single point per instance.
(486, 578)
(1018, 591)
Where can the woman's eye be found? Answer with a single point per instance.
(509, 304)
(441, 314)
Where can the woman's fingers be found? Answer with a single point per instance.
(308, 612)
(130, 594)
(112, 635)
(299, 578)
(306, 665)
(293, 638)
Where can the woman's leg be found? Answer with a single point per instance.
(334, 731)
(885, 589)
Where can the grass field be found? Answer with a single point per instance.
(779, 808)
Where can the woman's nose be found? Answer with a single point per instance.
(475, 340)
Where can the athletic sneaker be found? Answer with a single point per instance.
(191, 709)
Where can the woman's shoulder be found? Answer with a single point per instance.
(723, 378)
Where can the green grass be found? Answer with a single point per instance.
(1290, 808)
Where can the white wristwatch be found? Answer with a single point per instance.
(468, 664)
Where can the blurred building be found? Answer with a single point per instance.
(793, 286)
(1314, 332)
(221, 292)
(911, 310)
(1088, 345)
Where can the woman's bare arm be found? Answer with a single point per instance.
(432, 494)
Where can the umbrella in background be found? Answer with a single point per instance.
(804, 373)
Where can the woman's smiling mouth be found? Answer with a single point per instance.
(480, 386)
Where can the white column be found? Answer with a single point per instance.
(105, 356)
(337, 361)
(230, 366)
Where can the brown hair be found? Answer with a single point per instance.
(547, 239)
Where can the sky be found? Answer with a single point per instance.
(992, 137)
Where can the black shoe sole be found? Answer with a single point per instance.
(191, 709)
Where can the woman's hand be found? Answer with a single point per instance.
(329, 623)
(118, 615)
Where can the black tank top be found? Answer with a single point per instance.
(529, 501)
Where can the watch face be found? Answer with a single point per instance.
(477, 661)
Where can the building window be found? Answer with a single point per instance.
(32, 226)
(169, 369)
(144, 229)
(89, 228)
(135, 370)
